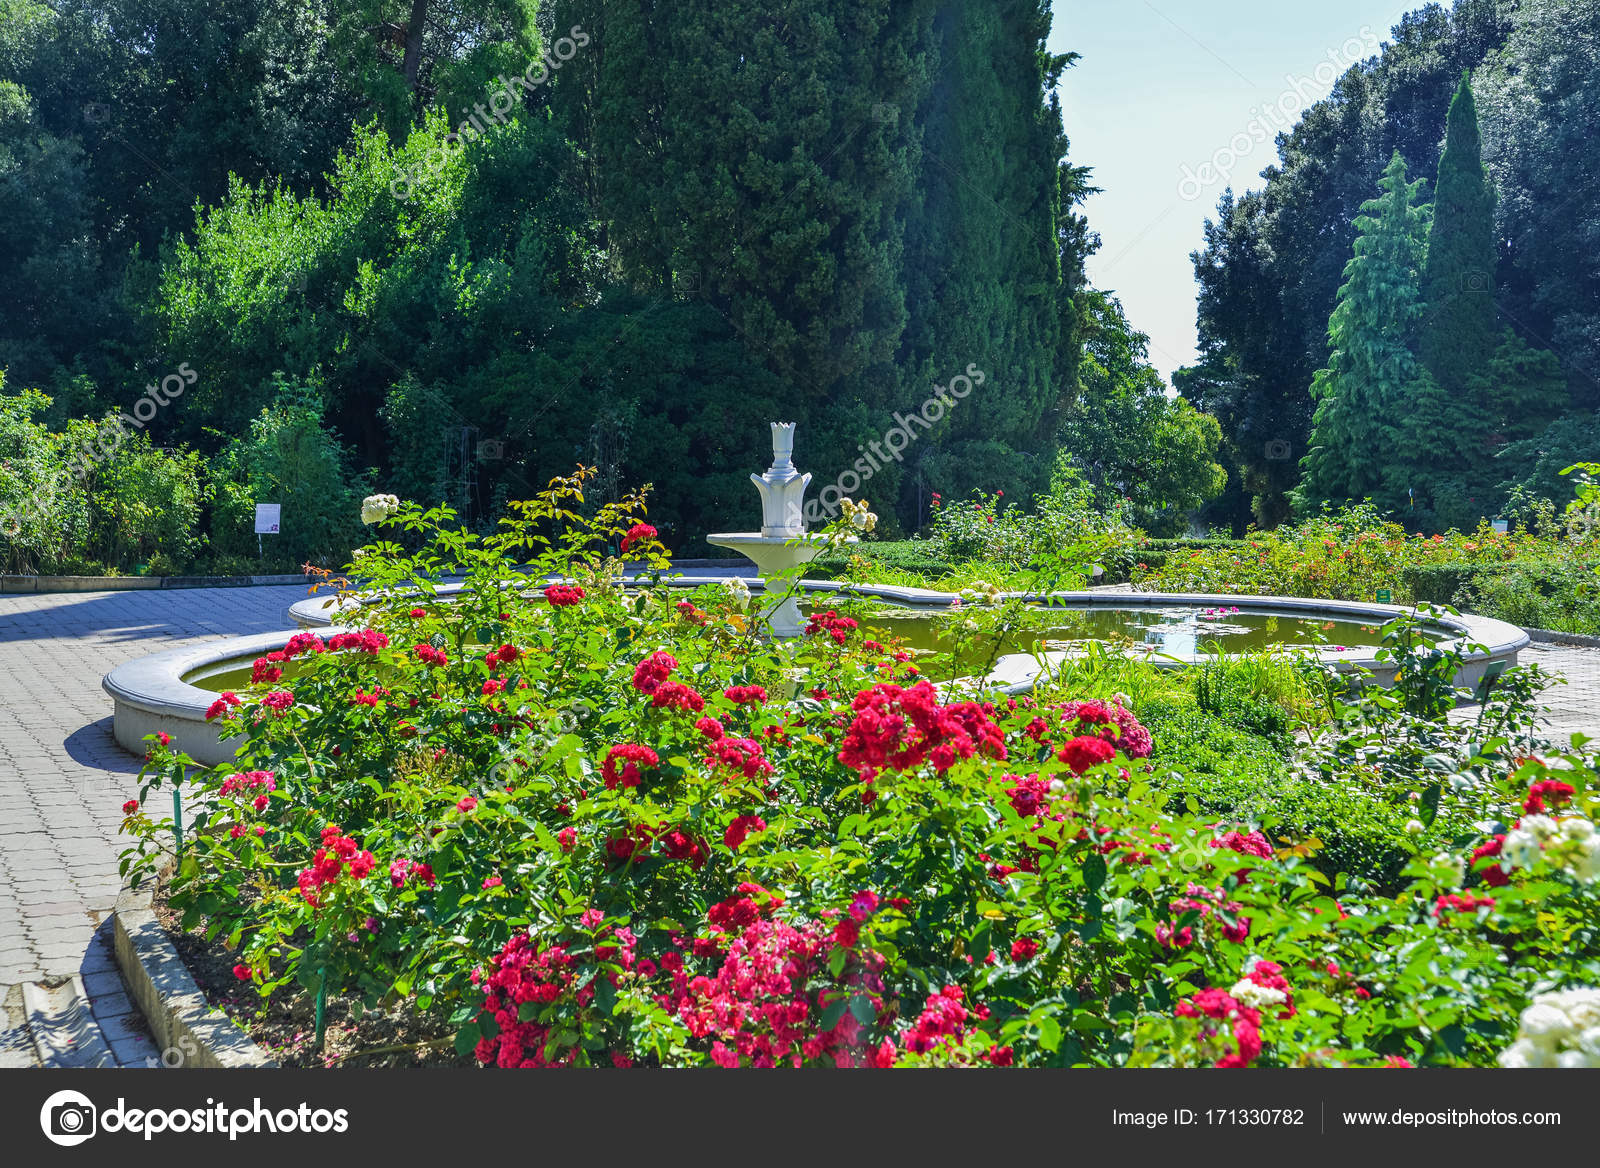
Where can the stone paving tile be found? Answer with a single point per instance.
(62, 776)
(102, 985)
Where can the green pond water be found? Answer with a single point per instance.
(1179, 631)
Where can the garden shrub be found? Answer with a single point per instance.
(594, 826)
(288, 457)
(987, 528)
(1247, 777)
(1352, 553)
(44, 513)
(911, 555)
(144, 504)
(1540, 594)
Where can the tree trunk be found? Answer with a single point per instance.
(413, 58)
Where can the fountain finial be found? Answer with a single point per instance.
(782, 450)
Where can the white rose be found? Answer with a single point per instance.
(1586, 864)
(1545, 1023)
(740, 592)
(1248, 993)
(1582, 1007)
(1576, 1060)
(1521, 848)
(1577, 829)
(1589, 1042)
(1414, 827)
(377, 508)
(1522, 1054)
(1542, 826)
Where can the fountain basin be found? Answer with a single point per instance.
(772, 554)
(158, 692)
(1345, 650)
(150, 695)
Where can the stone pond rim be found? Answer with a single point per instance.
(150, 694)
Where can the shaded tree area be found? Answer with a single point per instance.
(492, 241)
(1274, 258)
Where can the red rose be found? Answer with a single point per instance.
(1082, 753)
(636, 533)
(1024, 949)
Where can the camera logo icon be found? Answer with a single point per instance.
(1476, 282)
(1277, 450)
(68, 1118)
(491, 450)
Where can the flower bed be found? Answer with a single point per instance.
(633, 832)
(1538, 578)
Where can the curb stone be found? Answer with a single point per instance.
(64, 1031)
(16, 584)
(166, 994)
(1556, 637)
(16, 1044)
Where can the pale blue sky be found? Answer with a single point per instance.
(1167, 85)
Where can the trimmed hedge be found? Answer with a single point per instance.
(1446, 583)
(1121, 562)
(909, 555)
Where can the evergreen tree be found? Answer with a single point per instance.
(993, 224)
(871, 192)
(1458, 328)
(1362, 396)
(1489, 387)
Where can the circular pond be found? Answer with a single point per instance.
(170, 691)
(1178, 633)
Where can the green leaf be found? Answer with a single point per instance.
(861, 1006)
(831, 1016)
(1094, 872)
(1430, 804)
(836, 961)
(1049, 1032)
(467, 1038)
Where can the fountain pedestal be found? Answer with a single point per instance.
(783, 542)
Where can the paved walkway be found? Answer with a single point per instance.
(1574, 707)
(63, 779)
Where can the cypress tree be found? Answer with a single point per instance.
(1489, 387)
(985, 251)
(760, 158)
(1458, 330)
(872, 194)
(1362, 396)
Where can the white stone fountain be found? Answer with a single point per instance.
(783, 542)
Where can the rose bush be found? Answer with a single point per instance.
(1350, 553)
(590, 824)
